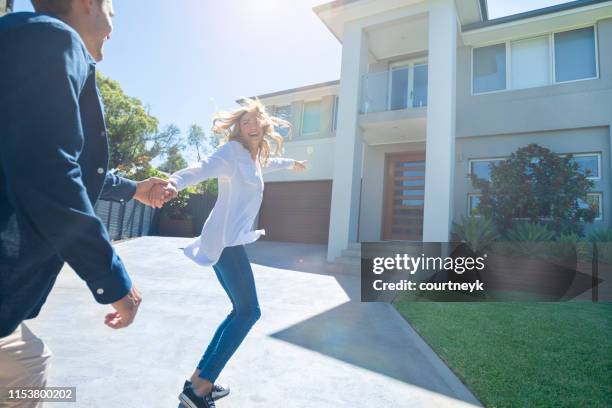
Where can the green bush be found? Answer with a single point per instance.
(536, 185)
(477, 232)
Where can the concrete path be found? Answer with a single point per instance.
(315, 346)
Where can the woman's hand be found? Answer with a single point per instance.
(299, 165)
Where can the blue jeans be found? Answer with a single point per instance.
(236, 276)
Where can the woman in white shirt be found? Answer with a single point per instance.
(238, 165)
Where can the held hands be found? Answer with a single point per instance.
(126, 309)
(144, 189)
(154, 192)
(161, 194)
(299, 165)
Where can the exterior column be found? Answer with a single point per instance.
(440, 145)
(348, 147)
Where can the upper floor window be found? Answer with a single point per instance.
(543, 60)
(283, 112)
(530, 62)
(489, 68)
(311, 118)
(575, 55)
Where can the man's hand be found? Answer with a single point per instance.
(126, 310)
(144, 188)
(299, 166)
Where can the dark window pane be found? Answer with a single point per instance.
(489, 68)
(575, 55)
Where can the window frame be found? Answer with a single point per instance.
(599, 194)
(286, 105)
(485, 159)
(551, 52)
(554, 70)
(319, 102)
(472, 68)
(596, 154)
(409, 64)
(583, 154)
(469, 204)
(334, 125)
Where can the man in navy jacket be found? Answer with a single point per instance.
(53, 168)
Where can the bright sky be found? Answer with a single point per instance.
(186, 61)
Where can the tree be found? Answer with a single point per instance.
(203, 146)
(133, 134)
(174, 160)
(537, 185)
(195, 139)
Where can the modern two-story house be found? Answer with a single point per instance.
(431, 91)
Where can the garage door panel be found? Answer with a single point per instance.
(296, 211)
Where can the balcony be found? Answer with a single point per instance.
(401, 87)
(394, 104)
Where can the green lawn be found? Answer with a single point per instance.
(523, 354)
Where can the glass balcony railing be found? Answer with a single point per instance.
(398, 88)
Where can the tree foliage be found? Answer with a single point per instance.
(134, 139)
(537, 185)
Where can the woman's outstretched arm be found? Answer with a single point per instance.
(281, 163)
(215, 166)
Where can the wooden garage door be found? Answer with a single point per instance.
(296, 211)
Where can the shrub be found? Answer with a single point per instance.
(536, 185)
(477, 232)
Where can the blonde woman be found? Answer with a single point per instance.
(238, 165)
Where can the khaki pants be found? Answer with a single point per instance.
(24, 362)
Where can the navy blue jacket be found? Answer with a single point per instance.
(53, 168)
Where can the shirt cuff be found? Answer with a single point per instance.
(177, 181)
(112, 287)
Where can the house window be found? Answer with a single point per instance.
(482, 167)
(489, 68)
(473, 201)
(335, 114)
(311, 119)
(575, 55)
(283, 112)
(530, 62)
(593, 200)
(589, 164)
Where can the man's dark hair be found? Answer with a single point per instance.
(59, 7)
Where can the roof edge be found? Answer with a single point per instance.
(298, 89)
(532, 13)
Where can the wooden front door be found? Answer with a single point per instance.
(404, 196)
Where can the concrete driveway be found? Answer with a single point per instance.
(316, 345)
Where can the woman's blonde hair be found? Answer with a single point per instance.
(227, 125)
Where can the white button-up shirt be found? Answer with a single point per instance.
(241, 186)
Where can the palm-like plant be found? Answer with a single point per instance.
(477, 232)
(532, 239)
